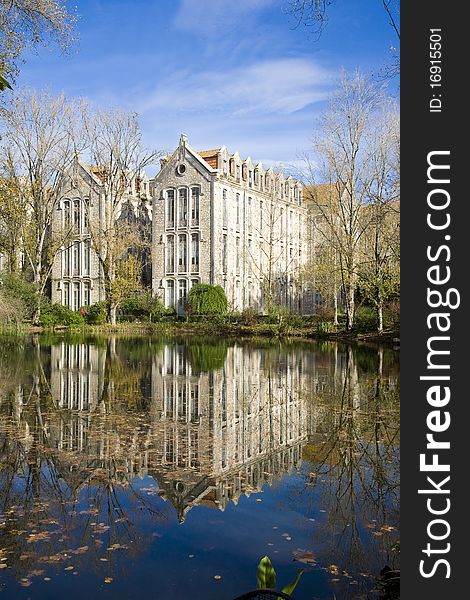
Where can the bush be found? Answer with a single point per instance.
(57, 314)
(16, 288)
(11, 309)
(365, 319)
(95, 314)
(144, 306)
(205, 299)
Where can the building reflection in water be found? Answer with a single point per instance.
(208, 423)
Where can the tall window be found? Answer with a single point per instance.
(182, 287)
(76, 295)
(237, 257)
(66, 261)
(224, 253)
(67, 214)
(182, 253)
(195, 252)
(170, 254)
(261, 216)
(86, 293)
(183, 207)
(195, 206)
(86, 213)
(237, 200)
(281, 225)
(66, 296)
(76, 214)
(170, 208)
(170, 293)
(224, 208)
(86, 257)
(76, 258)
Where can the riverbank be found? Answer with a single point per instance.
(216, 327)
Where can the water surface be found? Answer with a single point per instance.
(168, 468)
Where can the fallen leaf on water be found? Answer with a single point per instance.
(3, 566)
(217, 577)
(80, 550)
(108, 579)
(69, 568)
(306, 557)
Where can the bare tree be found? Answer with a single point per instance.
(42, 139)
(118, 158)
(345, 163)
(379, 271)
(313, 14)
(12, 218)
(27, 23)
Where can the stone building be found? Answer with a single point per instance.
(226, 221)
(76, 276)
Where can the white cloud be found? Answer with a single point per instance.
(281, 86)
(205, 17)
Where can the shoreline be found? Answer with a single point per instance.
(213, 329)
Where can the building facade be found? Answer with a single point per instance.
(222, 220)
(76, 276)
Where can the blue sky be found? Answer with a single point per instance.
(225, 72)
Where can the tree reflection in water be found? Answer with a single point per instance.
(83, 420)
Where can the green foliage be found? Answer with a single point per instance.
(16, 288)
(325, 327)
(57, 314)
(266, 577)
(95, 314)
(205, 299)
(365, 319)
(144, 306)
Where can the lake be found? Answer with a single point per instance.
(167, 468)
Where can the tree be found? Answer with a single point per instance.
(313, 14)
(42, 138)
(379, 271)
(268, 259)
(118, 158)
(12, 217)
(26, 24)
(344, 159)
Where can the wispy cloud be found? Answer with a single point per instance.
(204, 17)
(281, 86)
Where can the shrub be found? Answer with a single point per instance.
(11, 309)
(205, 299)
(16, 288)
(95, 314)
(57, 314)
(143, 306)
(365, 319)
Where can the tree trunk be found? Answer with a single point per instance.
(112, 311)
(379, 313)
(350, 307)
(335, 306)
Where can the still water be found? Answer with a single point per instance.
(144, 467)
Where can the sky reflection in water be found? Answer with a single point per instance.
(155, 465)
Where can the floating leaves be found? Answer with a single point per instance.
(305, 556)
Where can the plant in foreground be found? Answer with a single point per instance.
(266, 577)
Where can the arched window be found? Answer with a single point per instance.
(170, 293)
(195, 206)
(195, 252)
(170, 254)
(170, 208)
(67, 214)
(182, 207)
(76, 214)
(182, 253)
